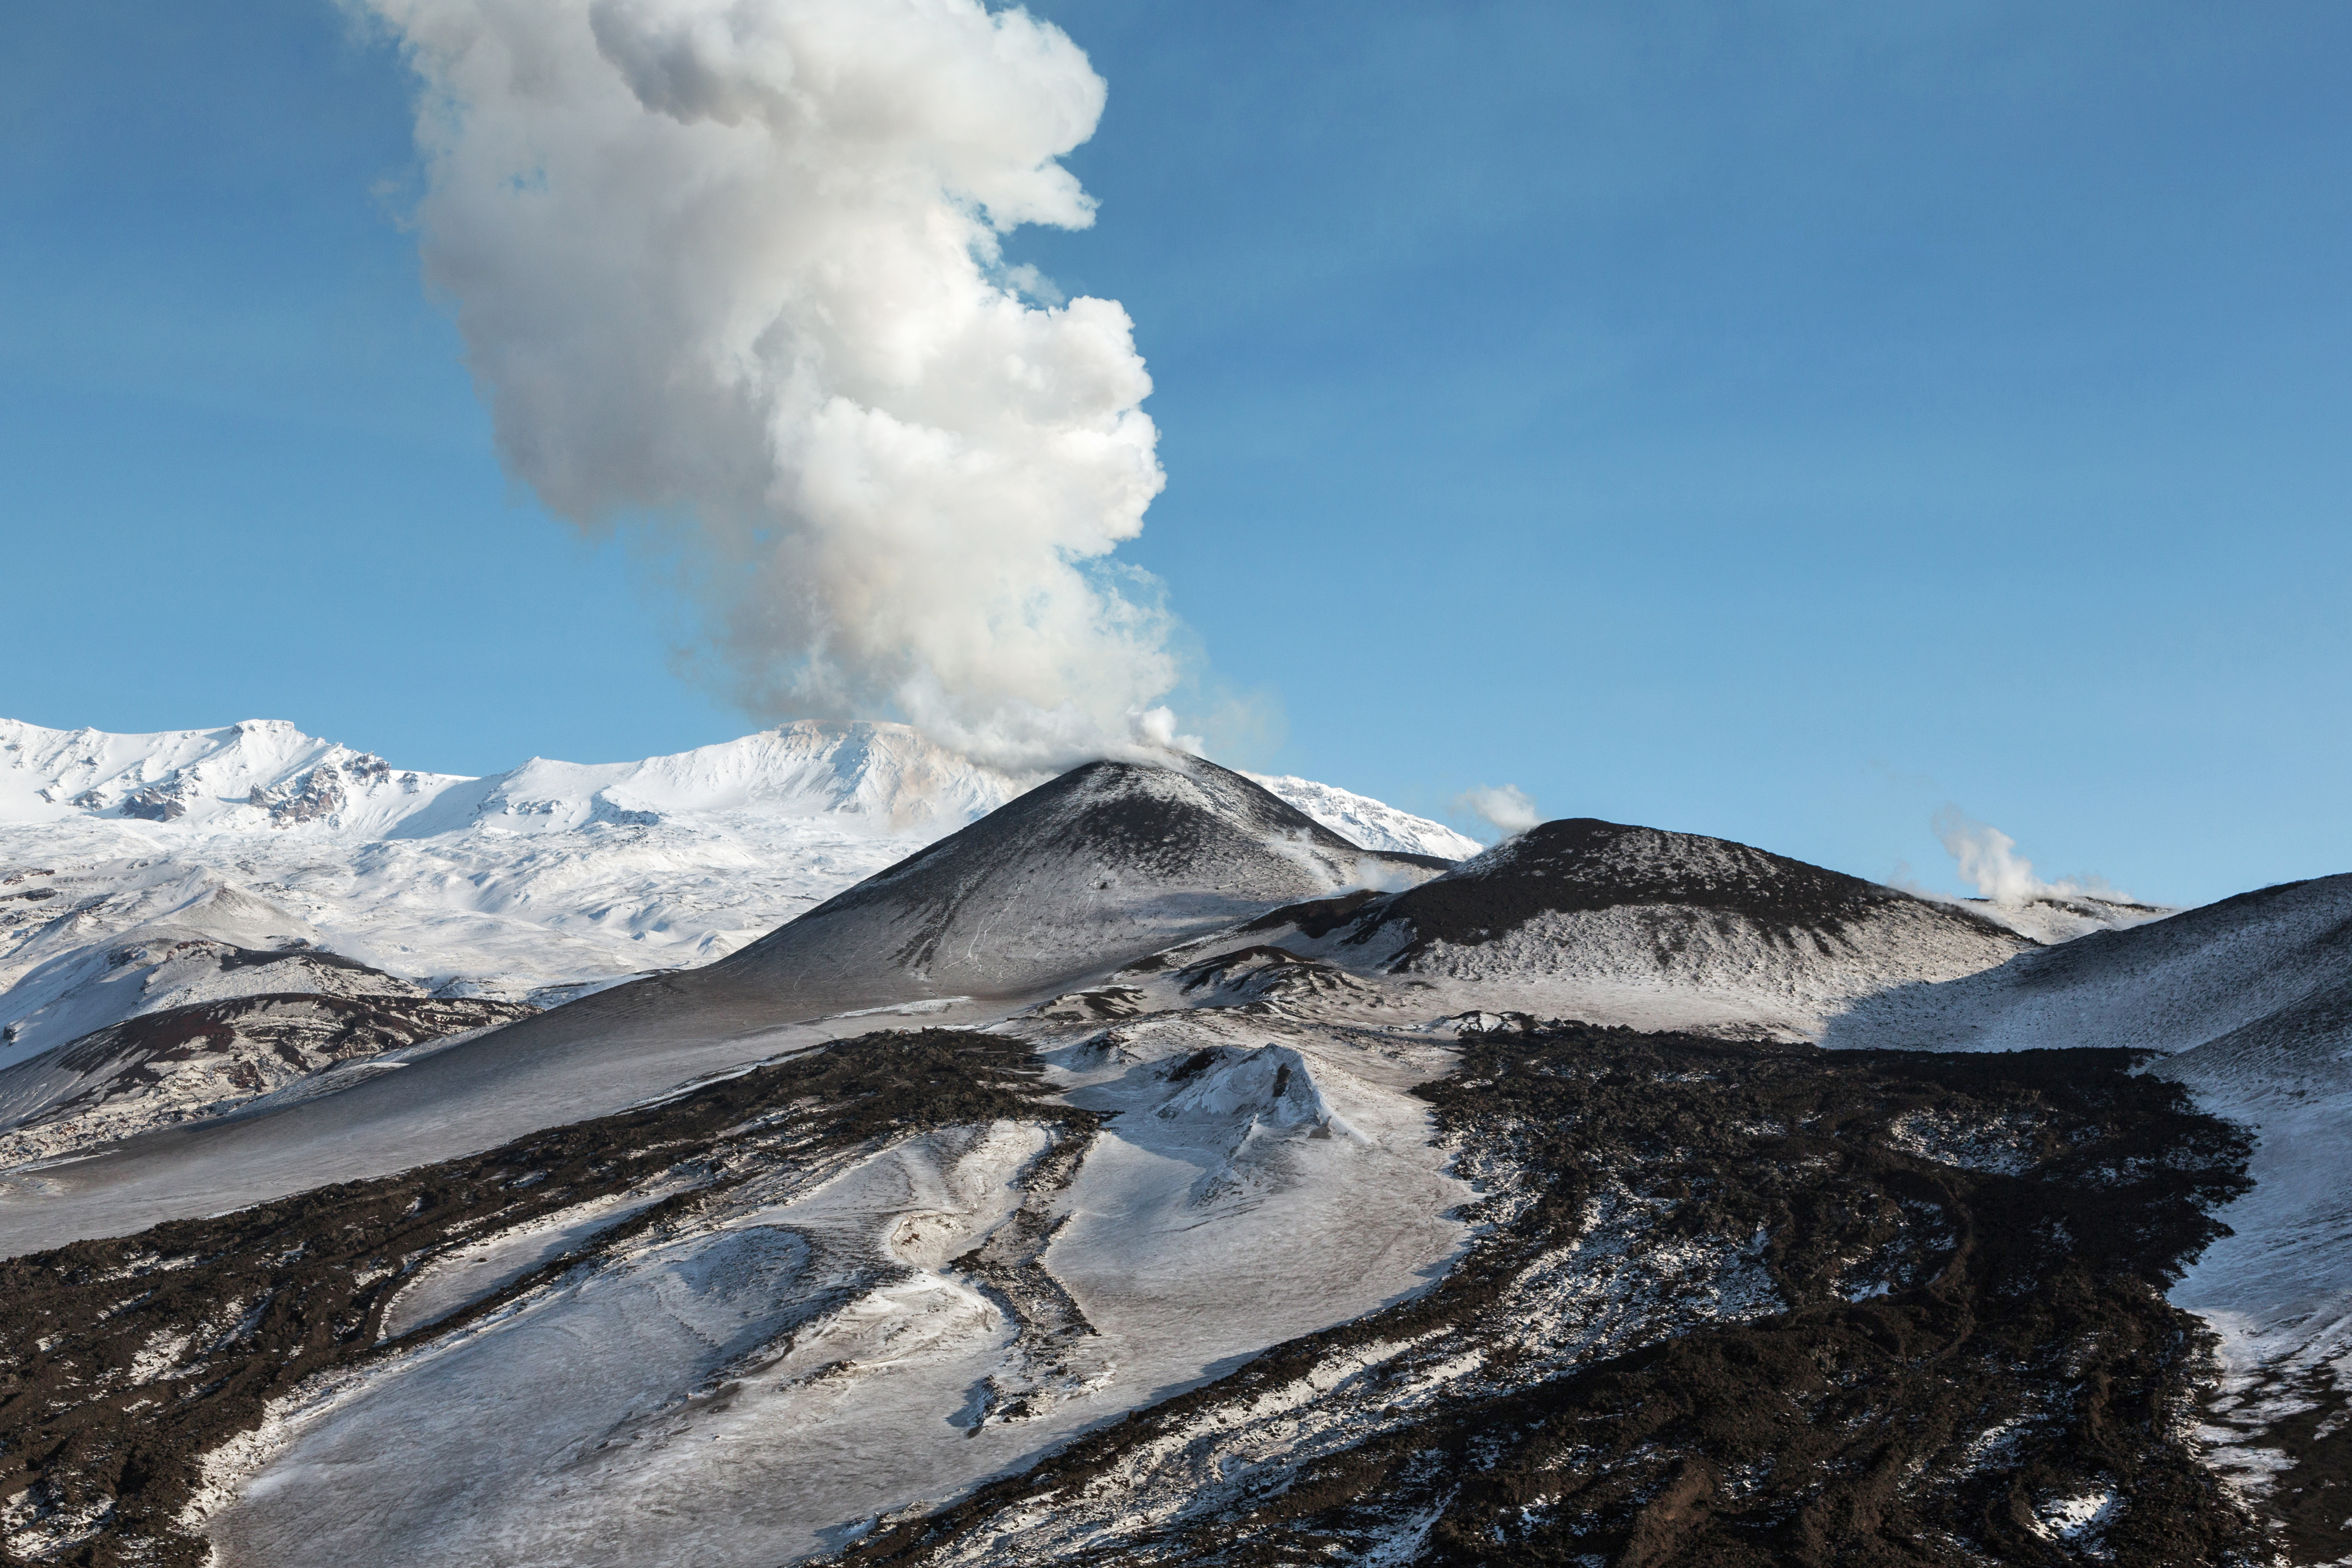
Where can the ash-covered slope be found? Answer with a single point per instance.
(1108, 862)
(1589, 916)
(2261, 962)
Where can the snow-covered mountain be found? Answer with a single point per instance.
(1240, 1193)
(550, 878)
(266, 774)
(1367, 823)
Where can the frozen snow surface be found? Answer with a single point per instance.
(807, 1356)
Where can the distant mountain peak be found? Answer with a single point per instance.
(1370, 822)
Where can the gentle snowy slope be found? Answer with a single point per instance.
(138, 938)
(742, 1389)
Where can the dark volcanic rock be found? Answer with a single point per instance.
(164, 801)
(317, 794)
(1737, 1305)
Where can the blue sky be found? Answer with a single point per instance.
(1770, 422)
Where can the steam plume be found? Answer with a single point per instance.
(1507, 809)
(1989, 860)
(735, 266)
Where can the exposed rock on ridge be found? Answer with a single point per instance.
(184, 1063)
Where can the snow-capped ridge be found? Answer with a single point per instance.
(884, 779)
(265, 774)
(254, 775)
(1371, 824)
(550, 875)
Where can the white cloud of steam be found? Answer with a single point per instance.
(735, 266)
(1989, 860)
(1508, 810)
(1155, 727)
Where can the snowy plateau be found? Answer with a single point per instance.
(817, 1147)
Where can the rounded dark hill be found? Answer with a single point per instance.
(1581, 864)
(1104, 864)
(1586, 901)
